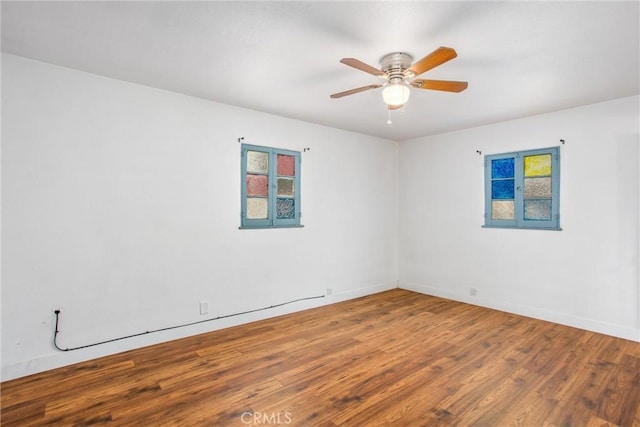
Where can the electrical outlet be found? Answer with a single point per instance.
(329, 291)
(204, 307)
(472, 292)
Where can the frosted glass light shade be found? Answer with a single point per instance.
(395, 94)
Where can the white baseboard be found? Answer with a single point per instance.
(534, 312)
(360, 292)
(59, 359)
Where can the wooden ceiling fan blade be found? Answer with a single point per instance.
(445, 85)
(357, 64)
(352, 91)
(435, 58)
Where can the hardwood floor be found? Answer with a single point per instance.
(397, 357)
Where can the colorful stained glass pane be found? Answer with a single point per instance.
(502, 189)
(285, 186)
(286, 165)
(503, 209)
(536, 188)
(257, 162)
(257, 208)
(285, 208)
(537, 209)
(257, 185)
(502, 168)
(538, 165)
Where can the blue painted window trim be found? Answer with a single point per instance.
(520, 221)
(271, 221)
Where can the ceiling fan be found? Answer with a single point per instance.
(400, 76)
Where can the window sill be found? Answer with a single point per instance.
(523, 228)
(245, 227)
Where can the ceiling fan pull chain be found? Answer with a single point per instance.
(389, 116)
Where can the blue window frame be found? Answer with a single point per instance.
(270, 187)
(522, 189)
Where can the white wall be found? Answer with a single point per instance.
(585, 275)
(121, 207)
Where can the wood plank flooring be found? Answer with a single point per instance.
(397, 357)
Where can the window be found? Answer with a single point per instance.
(270, 187)
(522, 189)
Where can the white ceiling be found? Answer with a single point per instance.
(520, 58)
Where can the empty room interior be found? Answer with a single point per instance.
(320, 213)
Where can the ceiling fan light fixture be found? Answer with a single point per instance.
(396, 94)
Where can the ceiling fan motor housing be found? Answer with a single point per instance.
(394, 65)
